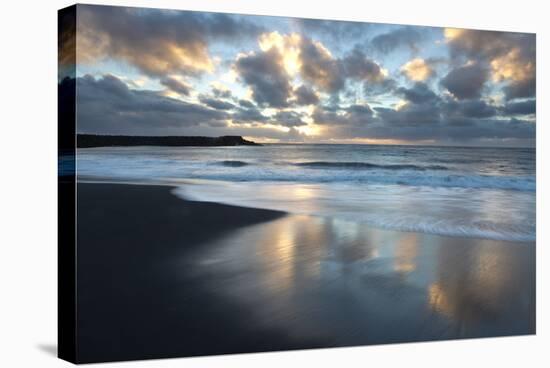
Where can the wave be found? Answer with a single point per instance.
(527, 184)
(448, 227)
(426, 175)
(450, 213)
(366, 166)
(233, 163)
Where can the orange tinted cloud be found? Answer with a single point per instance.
(417, 70)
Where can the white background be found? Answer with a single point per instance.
(28, 177)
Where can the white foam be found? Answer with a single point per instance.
(463, 212)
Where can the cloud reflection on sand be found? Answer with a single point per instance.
(351, 284)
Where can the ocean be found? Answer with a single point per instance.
(473, 192)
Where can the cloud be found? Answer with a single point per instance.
(418, 94)
(248, 114)
(246, 104)
(176, 86)
(408, 36)
(434, 123)
(107, 106)
(308, 76)
(215, 103)
(417, 70)
(221, 92)
(319, 67)
(427, 117)
(470, 109)
(333, 30)
(520, 108)
(296, 55)
(288, 119)
(409, 115)
(66, 45)
(521, 89)
(476, 131)
(264, 73)
(466, 81)
(157, 42)
(288, 47)
(511, 57)
(358, 66)
(354, 115)
(305, 96)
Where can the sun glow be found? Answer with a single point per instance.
(417, 70)
(288, 46)
(452, 33)
(310, 129)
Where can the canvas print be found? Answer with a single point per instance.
(243, 183)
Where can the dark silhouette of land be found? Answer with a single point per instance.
(92, 140)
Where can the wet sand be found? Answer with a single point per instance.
(163, 277)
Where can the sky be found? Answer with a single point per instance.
(276, 79)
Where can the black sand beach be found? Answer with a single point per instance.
(161, 276)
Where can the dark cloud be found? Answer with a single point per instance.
(419, 93)
(520, 108)
(157, 42)
(488, 45)
(358, 115)
(248, 115)
(359, 110)
(265, 74)
(106, 105)
(327, 116)
(521, 89)
(219, 93)
(176, 86)
(358, 66)
(469, 109)
(215, 103)
(477, 131)
(410, 115)
(386, 86)
(466, 82)
(246, 104)
(332, 29)
(305, 96)
(428, 117)
(408, 36)
(330, 74)
(320, 68)
(425, 122)
(288, 119)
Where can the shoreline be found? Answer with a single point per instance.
(186, 189)
(162, 276)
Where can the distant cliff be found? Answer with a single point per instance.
(92, 140)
